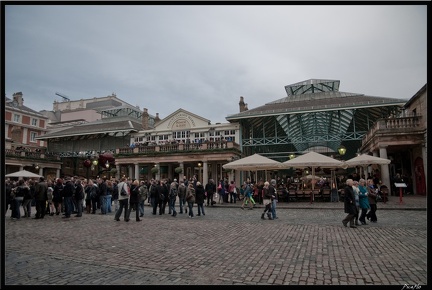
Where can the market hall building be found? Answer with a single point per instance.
(314, 115)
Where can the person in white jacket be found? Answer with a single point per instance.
(123, 198)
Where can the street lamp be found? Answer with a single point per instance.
(342, 150)
(291, 156)
(199, 171)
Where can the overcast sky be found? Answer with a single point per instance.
(203, 58)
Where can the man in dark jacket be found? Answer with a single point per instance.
(41, 197)
(210, 188)
(349, 204)
(79, 197)
(154, 195)
(103, 195)
(68, 192)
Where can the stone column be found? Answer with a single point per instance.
(41, 171)
(158, 173)
(385, 175)
(130, 173)
(58, 173)
(205, 173)
(117, 175)
(136, 171)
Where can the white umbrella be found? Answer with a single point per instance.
(365, 159)
(23, 173)
(253, 163)
(313, 160)
(310, 176)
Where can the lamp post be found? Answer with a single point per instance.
(199, 171)
(342, 150)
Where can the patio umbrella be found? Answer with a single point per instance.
(313, 160)
(253, 163)
(310, 176)
(23, 173)
(365, 159)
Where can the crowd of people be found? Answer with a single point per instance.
(360, 195)
(73, 195)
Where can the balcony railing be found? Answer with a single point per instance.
(143, 149)
(399, 125)
(30, 154)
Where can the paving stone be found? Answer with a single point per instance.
(306, 245)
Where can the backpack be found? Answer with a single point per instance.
(123, 192)
(173, 192)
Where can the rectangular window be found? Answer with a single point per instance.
(163, 137)
(33, 136)
(34, 122)
(16, 118)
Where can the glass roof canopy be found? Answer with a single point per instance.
(313, 115)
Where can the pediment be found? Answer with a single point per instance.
(181, 120)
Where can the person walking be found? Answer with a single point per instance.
(182, 196)
(274, 198)
(363, 201)
(162, 190)
(103, 195)
(79, 197)
(210, 188)
(232, 192)
(154, 196)
(356, 191)
(88, 192)
(268, 192)
(349, 204)
(173, 191)
(199, 198)
(123, 193)
(50, 195)
(115, 196)
(134, 199)
(372, 197)
(41, 197)
(68, 191)
(18, 200)
(143, 191)
(109, 194)
(27, 199)
(221, 191)
(190, 198)
(58, 195)
(247, 192)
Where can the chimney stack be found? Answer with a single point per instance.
(157, 119)
(243, 106)
(145, 119)
(18, 97)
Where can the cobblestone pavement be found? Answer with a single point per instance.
(226, 246)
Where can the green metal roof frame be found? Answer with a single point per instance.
(314, 114)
